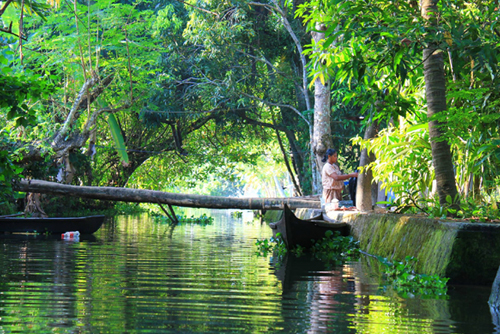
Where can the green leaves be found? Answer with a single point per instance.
(9, 171)
(364, 49)
(378, 54)
(273, 244)
(116, 133)
(20, 90)
(404, 162)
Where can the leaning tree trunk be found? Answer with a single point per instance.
(160, 197)
(322, 139)
(316, 180)
(435, 87)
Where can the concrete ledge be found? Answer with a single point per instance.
(467, 253)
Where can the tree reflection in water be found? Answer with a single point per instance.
(140, 276)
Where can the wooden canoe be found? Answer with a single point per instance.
(295, 231)
(84, 225)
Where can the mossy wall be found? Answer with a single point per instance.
(465, 252)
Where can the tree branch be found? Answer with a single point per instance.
(76, 105)
(279, 105)
(94, 94)
(287, 164)
(4, 7)
(267, 62)
(298, 45)
(9, 31)
(199, 8)
(93, 118)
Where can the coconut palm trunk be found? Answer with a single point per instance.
(435, 87)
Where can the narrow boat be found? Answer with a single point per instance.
(304, 232)
(84, 225)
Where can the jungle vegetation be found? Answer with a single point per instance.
(216, 97)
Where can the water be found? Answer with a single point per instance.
(138, 276)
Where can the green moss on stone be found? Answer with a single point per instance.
(464, 252)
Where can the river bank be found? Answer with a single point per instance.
(467, 253)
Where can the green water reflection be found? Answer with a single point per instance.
(139, 276)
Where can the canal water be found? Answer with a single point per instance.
(136, 275)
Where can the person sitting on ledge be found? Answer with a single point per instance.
(332, 177)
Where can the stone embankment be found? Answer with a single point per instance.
(467, 253)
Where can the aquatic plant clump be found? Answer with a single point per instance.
(402, 277)
(237, 214)
(273, 244)
(335, 248)
(202, 220)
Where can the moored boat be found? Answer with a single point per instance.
(84, 225)
(304, 232)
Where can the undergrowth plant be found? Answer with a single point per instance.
(470, 209)
(404, 168)
(404, 160)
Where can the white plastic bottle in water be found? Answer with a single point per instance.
(72, 235)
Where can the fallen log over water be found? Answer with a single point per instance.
(159, 197)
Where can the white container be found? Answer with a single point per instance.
(72, 235)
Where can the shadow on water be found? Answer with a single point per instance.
(291, 269)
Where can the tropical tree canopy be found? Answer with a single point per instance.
(380, 54)
(213, 96)
(168, 95)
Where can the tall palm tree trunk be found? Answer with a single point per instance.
(435, 86)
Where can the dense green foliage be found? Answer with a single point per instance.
(194, 95)
(201, 97)
(207, 97)
(378, 54)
